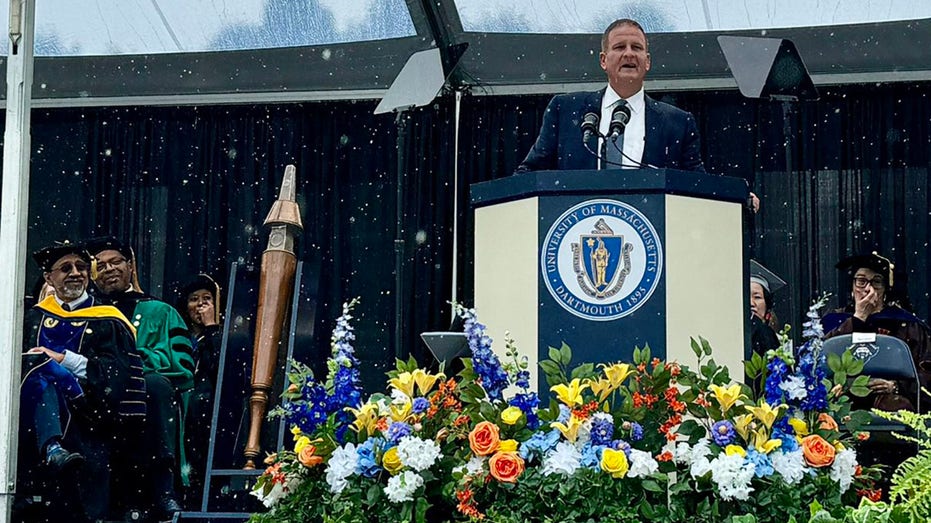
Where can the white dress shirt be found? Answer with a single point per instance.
(73, 361)
(634, 133)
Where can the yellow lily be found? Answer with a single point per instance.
(570, 431)
(727, 396)
(570, 394)
(404, 383)
(617, 373)
(730, 450)
(296, 431)
(801, 428)
(763, 443)
(402, 411)
(602, 388)
(426, 381)
(742, 425)
(366, 418)
(766, 414)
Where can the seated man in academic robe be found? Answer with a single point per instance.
(82, 381)
(163, 341)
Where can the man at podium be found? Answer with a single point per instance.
(641, 132)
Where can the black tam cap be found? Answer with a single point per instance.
(873, 261)
(108, 243)
(47, 256)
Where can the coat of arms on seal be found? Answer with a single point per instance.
(601, 261)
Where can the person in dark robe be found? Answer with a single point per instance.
(81, 381)
(763, 320)
(879, 304)
(199, 304)
(162, 339)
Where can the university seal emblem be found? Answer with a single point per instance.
(601, 260)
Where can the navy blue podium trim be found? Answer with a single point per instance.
(605, 183)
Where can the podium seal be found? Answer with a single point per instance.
(601, 260)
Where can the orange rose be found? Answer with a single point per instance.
(826, 422)
(484, 438)
(307, 456)
(817, 451)
(506, 466)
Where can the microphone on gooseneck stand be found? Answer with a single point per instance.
(589, 126)
(619, 118)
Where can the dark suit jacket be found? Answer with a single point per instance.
(671, 136)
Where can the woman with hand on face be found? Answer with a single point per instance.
(199, 305)
(879, 304)
(763, 321)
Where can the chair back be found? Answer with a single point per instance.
(887, 357)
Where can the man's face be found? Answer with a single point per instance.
(865, 280)
(69, 277)
(114, 272)
(626, 60)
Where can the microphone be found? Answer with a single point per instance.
(589, 126)
(619, 118)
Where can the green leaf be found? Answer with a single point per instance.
(706, 347)
(856, 367)
(583, 371)
(840, 378)
(833, 362)
(696, 348)
(565, 355)
(652, 485)
(553, 353)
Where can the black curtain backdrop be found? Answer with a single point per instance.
(191, 187)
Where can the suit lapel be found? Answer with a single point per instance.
(652, 128)
(593, 104)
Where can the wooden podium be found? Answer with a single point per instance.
(609, 260)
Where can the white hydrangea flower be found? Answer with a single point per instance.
(401, 488)
(732, 475)
(682, 453)
(417, 453)
(278, 491)
(844, 467)
(564, 459)
(789, 465)
(642, 464)
(473, 467)
(342, 464)
(794, 387)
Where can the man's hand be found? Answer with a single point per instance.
(57, 356)
(880, 386)
(866, 303)
(754, 203)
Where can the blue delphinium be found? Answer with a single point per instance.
(485, 362)
(777, 372)
(812, 369)
(783, 430)
(723, 433)
(527, 402)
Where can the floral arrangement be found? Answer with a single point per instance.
(626, 441)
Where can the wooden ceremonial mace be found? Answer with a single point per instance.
(276, 284)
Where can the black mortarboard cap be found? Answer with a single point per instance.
(873, 261)
(765, 277)
(47, 256)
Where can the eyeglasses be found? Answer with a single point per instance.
(66, 268)
(104, 265)
(863, 281)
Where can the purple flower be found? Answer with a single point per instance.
(398, 430)
(723, 433)
(636, 431)
(620, 444)
(420, 405)
(602, 430)
(484, 361)
(528, 403)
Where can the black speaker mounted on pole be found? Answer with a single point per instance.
(421, 79)
(770, 69)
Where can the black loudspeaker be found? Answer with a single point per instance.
(768, 68)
